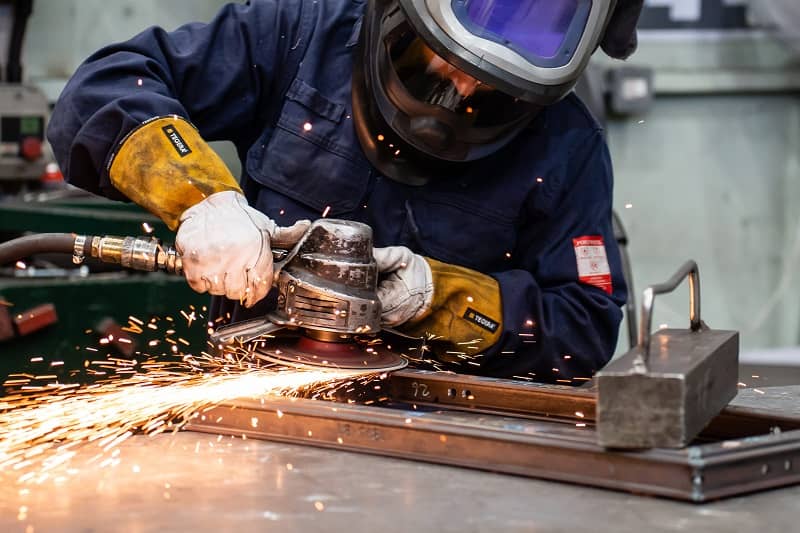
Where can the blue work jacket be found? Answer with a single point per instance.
(259, 72)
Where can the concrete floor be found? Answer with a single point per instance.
(195, 482)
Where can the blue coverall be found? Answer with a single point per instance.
(259, 72)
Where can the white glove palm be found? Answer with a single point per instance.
(407, 291)
(226, 247)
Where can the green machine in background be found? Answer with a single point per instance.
(55, 316)
(53, 313)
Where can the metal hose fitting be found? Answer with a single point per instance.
(138, 253)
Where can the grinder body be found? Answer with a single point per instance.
(328, 309)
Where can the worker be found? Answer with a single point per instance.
(447, 126)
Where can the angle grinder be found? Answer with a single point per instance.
(328, 312)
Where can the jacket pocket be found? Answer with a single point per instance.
(312, 155)
(463, 232)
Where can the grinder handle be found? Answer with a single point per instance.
(688, 269)
(278, 255)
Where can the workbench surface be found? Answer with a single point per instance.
(199, 482)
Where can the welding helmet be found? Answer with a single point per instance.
(443, 82)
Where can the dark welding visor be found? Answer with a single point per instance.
(436, 106)
(428, 80)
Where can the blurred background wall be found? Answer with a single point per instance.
(712, 170)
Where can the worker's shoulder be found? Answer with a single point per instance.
(571, 116)
(313, 22)
(322, 7)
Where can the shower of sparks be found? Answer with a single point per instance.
(43, 431)
(45, 423)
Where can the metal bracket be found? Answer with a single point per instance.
(77, 249)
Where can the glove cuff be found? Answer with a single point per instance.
(466, 310)
(165, 166)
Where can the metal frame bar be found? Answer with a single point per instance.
(526, 443)
(491, 395)
(527, 399)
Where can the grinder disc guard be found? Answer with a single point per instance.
(302, 351)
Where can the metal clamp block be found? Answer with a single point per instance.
(664, 391)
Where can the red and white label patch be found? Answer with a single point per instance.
(590, 251)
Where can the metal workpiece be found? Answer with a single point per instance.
(664, 391)
(491, 395)
(548, 449)
(447, 390)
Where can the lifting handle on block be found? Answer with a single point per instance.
(688, 269)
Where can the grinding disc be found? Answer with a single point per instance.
(302, 351)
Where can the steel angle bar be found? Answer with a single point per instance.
(528, 447)
(738, 422)
(735, 467)
(536, 400)
(491, 394)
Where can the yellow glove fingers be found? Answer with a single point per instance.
(166, 167)
(466, 311)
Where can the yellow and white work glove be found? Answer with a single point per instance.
(226, 245)
(406, 291)
(460, 309)
(165, 166)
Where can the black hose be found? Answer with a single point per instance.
(22, 247)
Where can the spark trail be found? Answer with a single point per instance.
(40, 433)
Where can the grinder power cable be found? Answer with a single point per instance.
(328, 312)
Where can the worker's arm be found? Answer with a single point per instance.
(133, 122)
(561, 320)
(548, 319)
(216, 76)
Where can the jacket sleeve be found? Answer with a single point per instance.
(561, 325)
(215, 75)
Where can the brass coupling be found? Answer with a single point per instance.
(138, 253)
